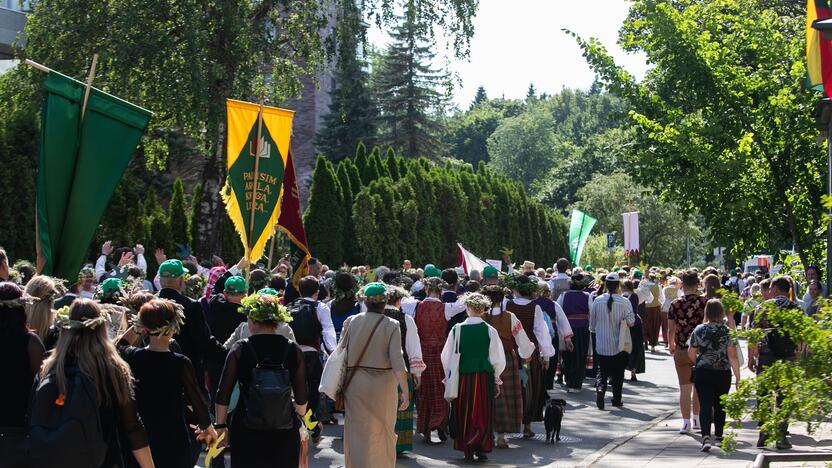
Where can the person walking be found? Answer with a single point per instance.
(375, 367)
(84, 348)
(652, 311)
(671, 292)
(576, 304)
(607, 312)
(686, 313)
(261, 442)
(636, 361)
(508, 415)
(164, 385)
(715, 353)
(481, 362)
(23, 354)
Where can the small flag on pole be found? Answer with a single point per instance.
(291, 224)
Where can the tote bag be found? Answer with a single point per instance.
(334, 370)
(452, 373)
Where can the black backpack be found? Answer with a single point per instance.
(65, 430)
(305, 324)
(269, 404)
(779, 343)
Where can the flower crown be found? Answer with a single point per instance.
(63, 321)
(175, 324)
(263, 310)
(476, 301)
(18, 301)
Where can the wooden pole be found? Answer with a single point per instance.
(271, 252)
(89, 84)
(256, 176)
(37, 66)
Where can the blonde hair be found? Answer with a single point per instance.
(39, 313)
(93, 353)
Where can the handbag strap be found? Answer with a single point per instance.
(361, 355)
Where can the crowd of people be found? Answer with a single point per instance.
(245, 358)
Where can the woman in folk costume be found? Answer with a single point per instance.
(412, 349)
(508, 415)
(431, 316)
(671, 292)
(576, 304)
(636, 363)
(652, 310)
(481, 362)
(375, 367)
(530, 316)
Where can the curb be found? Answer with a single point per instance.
(618, 442)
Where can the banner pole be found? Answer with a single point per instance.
(256, 176)
(271, 251)
(89, 85)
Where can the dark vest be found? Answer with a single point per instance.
(525, 314)
(502, 323)
(398, 316)
(576, 308)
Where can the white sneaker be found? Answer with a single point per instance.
(706, 444)
(685, 426)
(696, 423)
(573, 390)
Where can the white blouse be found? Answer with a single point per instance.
(496, 355)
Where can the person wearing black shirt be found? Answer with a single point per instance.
(164, 384)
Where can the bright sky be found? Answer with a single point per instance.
(519, 42)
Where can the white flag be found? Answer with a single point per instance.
(631, 232)
(469, 261)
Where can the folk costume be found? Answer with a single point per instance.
(481, 362)
(431, 317)
(516, 346)
(652, 313)
(371, 399)
(636, 363)
(670, 293)
(412, 352)
(576, 304)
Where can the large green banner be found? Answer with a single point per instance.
(81, 163)
(579, 229)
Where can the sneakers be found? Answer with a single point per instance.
(685, 426)
(696, 422)
(599, 400)
(706, 444)
(783, 444)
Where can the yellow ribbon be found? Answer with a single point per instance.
(214, 450)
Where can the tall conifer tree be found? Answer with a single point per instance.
(324, 212)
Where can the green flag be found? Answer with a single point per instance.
(579, 229)
(81, 163)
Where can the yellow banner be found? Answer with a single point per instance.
(256, 168)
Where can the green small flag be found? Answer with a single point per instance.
(80, 165)
(579, 229)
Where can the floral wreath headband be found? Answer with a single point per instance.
(175, 324)
(63, 321)
(264, 311)
(19, 301)
(476, 301)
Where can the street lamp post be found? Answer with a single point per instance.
(824, 114)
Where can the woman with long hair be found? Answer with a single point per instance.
(713, 287)
(637, 362)
(22, 353)
(165, 383)
(715, 354)
(83, 345)
(258, 444)
(481, 362)
(40, 315)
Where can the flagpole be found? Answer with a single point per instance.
(89, 85)
(256, 175)
(271, 250)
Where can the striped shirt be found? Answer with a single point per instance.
(605, 323)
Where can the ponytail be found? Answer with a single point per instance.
(612, 288)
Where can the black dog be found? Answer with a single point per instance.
(553, 418)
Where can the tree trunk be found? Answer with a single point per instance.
(210, 211)
(791, 221)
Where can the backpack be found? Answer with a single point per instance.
(66, 430)
(779, 343)
(269, 404)
(305, 324)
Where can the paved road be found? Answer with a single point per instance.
(585, 429)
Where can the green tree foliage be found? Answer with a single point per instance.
(18, 167)
(479, 98)
(429, 209)
(469, 132)
(722, 122)
(523, 147)
(407, 89)
(178, 216)
(349, 245)
(325, 212)
(351, 117)
(193, 217)
(662, 227)
(184, 59)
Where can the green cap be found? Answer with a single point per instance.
(588, 268)
(236, 285)
(374, 289)
(432, 272)
(618, 268)
(111, 285)
(171, 269)
(637, 273)
(267, 292)
(489, 272)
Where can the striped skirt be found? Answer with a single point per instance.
(508, 407)
(404, 422)
(472, 413)
(431, 407)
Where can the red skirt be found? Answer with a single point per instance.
(431, 407)
(472, 413)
